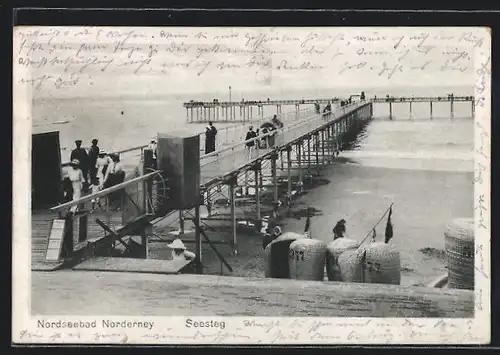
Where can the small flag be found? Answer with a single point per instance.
(308, 224)
(388, 227)
(374, 236)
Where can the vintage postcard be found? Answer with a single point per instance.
(232, 185)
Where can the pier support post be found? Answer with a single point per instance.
(82, 228)
(289, 173)
(316, 150)
(473, 108)
(452, 108)
(390, 110)
(146, 232)
(299, 161)
(323, 134)
(431, 109)
(411, 113)
(232, 183)
(309, 156)
(257, 168)
(181, 222)
(197, 236)
(274, 156)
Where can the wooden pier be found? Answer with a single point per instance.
(304, 144)
(451, 99)
(88, 239)
(294, 146)
(242, 111)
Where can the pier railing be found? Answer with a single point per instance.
(235, 157)
(227, 135)
(103, 219)
(192, 104)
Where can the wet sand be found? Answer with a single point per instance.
(425, 202)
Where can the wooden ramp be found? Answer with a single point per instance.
(148, 266)
(203, 295)
(41, 222)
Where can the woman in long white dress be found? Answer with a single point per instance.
(77, 179)
(102, 164)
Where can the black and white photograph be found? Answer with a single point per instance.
(251, 185)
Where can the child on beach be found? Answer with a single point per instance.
(95, 188)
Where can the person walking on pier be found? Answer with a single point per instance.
(317, 107)
(114, 175)
(328, 108)
(210, 134)
(80, 154)
(276, 122)
(77, 179)
(93, 154)
(250, 146)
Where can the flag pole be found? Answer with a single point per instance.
(376, 224)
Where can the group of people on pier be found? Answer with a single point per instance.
(267, 141)
(91, 171)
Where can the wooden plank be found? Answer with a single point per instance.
(55, 241)
(133, 265)
(204, 295)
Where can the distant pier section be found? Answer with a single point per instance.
(430, 99)
(245, 111)
(241, 111)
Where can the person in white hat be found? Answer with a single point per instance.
(77, 179)
(179, 251)
(102, 164)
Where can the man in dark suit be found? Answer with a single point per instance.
(93, 154)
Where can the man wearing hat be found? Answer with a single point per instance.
(81, 155)
(179, 251)
(93, 154)
(101, 166)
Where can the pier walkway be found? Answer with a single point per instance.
(243, 111)
(142, 199)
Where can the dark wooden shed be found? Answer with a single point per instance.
(46, 171)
